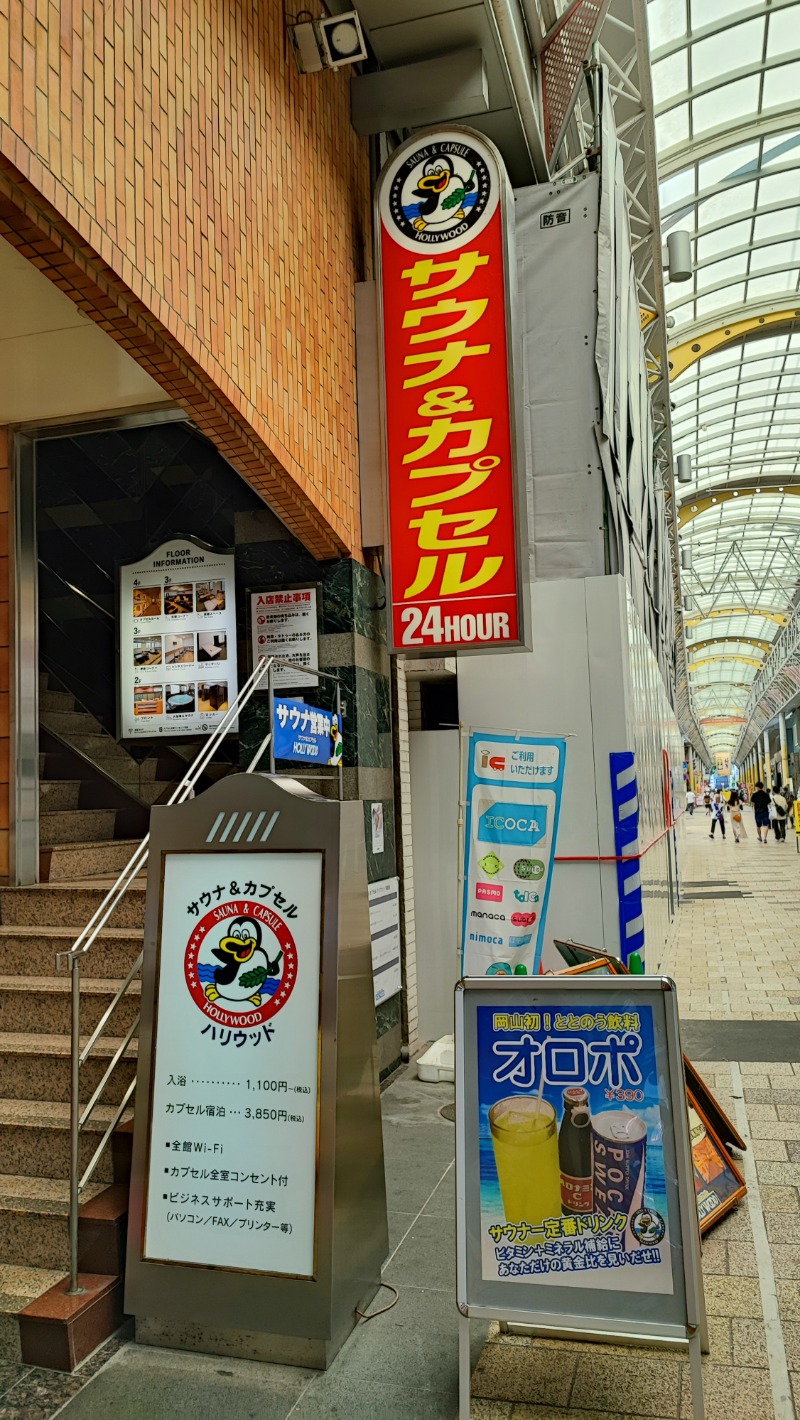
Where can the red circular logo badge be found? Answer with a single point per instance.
(240, 964)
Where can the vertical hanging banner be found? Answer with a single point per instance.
(514, 785)
(453, 502)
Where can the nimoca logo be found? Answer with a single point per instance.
(240, 964)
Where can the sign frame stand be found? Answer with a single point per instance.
(694, 1335)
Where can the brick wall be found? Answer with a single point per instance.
(4, 657)
(166, 165)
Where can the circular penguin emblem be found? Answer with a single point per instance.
(240, 970)
(440, 192)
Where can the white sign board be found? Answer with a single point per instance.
(384, 930)
(284, 624)
(231, 1179)
(177, 641)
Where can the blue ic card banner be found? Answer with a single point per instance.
(514, 785)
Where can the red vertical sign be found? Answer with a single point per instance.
(448, 396)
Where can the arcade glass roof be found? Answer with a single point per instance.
(726, 90)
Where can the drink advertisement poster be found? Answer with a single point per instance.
(231, 1178)
(177, 641)
(513, 799)
(572, 1177)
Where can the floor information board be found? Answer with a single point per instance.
(177, 641)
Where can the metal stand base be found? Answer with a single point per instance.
(464, 1370)
(696, 1370)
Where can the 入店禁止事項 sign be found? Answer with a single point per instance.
(284, 624)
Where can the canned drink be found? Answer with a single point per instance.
(619, 1144)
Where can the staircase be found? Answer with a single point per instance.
(35, 923)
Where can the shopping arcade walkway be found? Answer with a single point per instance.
(731, 956)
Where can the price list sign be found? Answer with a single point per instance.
(231, 1178)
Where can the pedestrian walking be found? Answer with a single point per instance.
(717, 815)
(735, 811)
(690, 802)
(707, 802)
(760, 801)
(779, 809)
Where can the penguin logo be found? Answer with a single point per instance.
(245, 970)
(440, 192)
(240, 964)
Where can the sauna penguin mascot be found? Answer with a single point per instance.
(433, 185)
(245, 964)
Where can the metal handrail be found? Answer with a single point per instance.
(85, 939)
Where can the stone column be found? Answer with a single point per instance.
(767, 765)
(784, 748)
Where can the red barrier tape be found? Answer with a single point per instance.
(624, 858)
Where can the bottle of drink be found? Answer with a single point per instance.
(575, 1153)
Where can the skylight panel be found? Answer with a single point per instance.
(720, 300)
(777, 224)
(782, 34)
(666, 21)
(672, 127)
(723, 239)
(731, 202)
(670, 76)
(724, 51)
(725, 104)
(781, 86)
(776, 254)
(780, 187)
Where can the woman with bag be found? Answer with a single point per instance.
(735, 811)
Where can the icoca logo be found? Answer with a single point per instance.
(513, 823)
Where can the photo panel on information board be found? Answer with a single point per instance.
(572, 1196)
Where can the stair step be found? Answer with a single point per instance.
(34, 1139)
(58, 795)
(18, 1287)
(26, 951)
(34, 1220)
(69, 722)
(58, 700)
(69, 904)
(42, 1004)
(36, 1066)
(64, 862)
(77, 826)
(121, 766)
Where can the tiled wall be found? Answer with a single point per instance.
(5, 477)
(168, 167)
